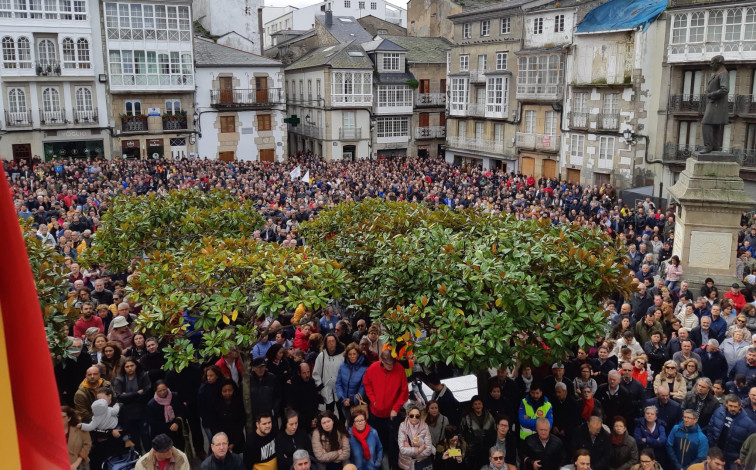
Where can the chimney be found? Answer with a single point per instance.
(328, 17)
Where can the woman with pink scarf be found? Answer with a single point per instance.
(165, 413)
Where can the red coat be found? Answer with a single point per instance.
(386, 390)
(226, 371)
(301, 341)
(738, 300)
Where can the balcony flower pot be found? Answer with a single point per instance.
(39, 70)
(57, 70)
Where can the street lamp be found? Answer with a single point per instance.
(629, 136)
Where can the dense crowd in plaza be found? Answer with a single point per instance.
(671, 385)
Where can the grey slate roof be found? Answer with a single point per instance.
(209, 54)
(473, 7)
(422, 50)
(336, 57)
(345, 31)
(380, 44)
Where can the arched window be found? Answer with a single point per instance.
(16, 100)
(83, 100)
(82, 50)
(24, 53)
(69, 53)
(9, 53)
(46, 52)
(50, 100)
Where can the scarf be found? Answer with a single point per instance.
(167, 408)
(362, 439)
(617, 439)
(587, 409)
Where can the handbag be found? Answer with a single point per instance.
(361, 404)
(425, 464)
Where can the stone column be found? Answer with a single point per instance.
(710, 199)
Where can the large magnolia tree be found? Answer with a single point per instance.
(470, 289)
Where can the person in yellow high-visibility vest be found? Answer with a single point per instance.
(532, 407)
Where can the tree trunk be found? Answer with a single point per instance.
(246, 392)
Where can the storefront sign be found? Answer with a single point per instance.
(76, 133)
(130, 144)
(153, 111)
(155, 142)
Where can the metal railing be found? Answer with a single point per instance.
(85, 116)
(134, 124)
(18, 118)
(608, 122)
(430, 99)
(686, 103)
(746, 104)
(52, 118)
(48, 68)
(545, 142)
(478, 145)
(579, 120)
(430, 132)
(241, 97)
(174, 124)
(350, 133)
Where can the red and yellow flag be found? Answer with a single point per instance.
(32, 436)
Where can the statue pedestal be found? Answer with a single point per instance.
(711, 199)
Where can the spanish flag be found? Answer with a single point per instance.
(32, 435)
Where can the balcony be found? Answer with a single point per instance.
(135, 123)
(52, 118)
(430, 132)
(496, 111)
(395, 108)
(735, 51)
(350, 133)
(458, 109)
(49, 68)
(475, 145)
(85, 117)
(608, 122)
(430, 99)
(246, 98)
(545, 142)
(151, 82)
(476, 109)
(746, 104)
(477, 76)
(351, 100)
(539, 92)
(579, 120)
(18, 118)
(696, 104)
(174, 122)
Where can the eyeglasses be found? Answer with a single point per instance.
(497, 457)
(414, 416)
(670, 367)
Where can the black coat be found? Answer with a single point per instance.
(599, 448)
(286, 446)
(619, 404)
(157, 423)
(551, 455)
(713, 365)
(550, 382)
(267, 393)
(669, 415)
(133, 404)
(305, 398)
(208, 400)
(68, 375)
(566, 416)
(231, 420)
(709, 406)
(231, 462)
(637, 395)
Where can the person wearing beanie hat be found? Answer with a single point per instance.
(163, 456)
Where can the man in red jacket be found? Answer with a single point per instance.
(386, 387)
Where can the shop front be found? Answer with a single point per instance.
(73, 149)
(155, 148)
(130, 148)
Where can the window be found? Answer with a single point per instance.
(538, 26)
(611, 101)
(348, 119)
(173, 107)
(733, 24)
(69, 53)
(394, 95)
(498, 132)
(392, 127)
(82, 51)
(551, 124)
(46, 54)
(133, 108)
(577, 146)
(579, 116)
(84, 105)
(559, 23)
(482, 62)
(309, 90)
(505, 26)
(227, 124)
(714, 31)
(137, 21)
(697, 27)
(352, 87)
(501, 61)
(496, 94)
(391, 62)
(479, 130)
(9, 53)
(17, 100)
(606, 148)
(6, 11)
(458, 92)
(462, 129)
(301, 91)
(317, 88)
(485, 27)
(48, 9)
(361, 5)
(466, 31)
(540, 74)
(530, 121)
(749, 32)
(373, 6)
(148, 68)
(24, 53)
(347, 4)
(464, 63)
(50, 100)
(263, 122)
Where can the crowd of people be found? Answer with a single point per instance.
(672, 384)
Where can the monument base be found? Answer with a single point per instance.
(711, 199)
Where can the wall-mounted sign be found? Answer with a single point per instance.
(153, 111)
(130, 144)
(154, 142)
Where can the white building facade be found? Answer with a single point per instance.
(53, 100)
(237, 22)
(240, 105)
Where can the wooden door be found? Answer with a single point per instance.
(226, 156)
(267, 155)
(261, 89)
(549, 169)
(443, 86)
(424, 86)
(22, 153)
(573, 176)
(226, 90)
(442, 119)
(424, 120)
(528, 166)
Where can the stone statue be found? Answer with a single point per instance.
(716, 115)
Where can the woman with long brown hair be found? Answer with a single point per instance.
(79, 442)
(330, 441)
